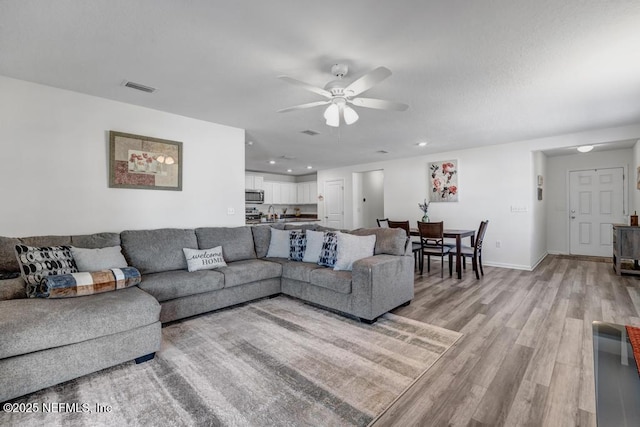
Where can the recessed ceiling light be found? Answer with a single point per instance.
(585, 148)
(272, 162)
(289, 170)
(309, 167)
(422, 144)
(249, 142)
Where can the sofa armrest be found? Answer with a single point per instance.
(380, 283)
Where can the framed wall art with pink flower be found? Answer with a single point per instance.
(443, 181)
(143, 162)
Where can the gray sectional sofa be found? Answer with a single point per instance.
(44, 342)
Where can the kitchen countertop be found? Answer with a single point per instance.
(283, 220)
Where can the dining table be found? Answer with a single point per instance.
(458, 234)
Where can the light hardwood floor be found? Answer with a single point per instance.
(526, 357)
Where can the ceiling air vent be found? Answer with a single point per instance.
(382, 152)
(138, 86)
(310, 132)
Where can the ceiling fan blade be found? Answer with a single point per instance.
(367, 81)
(303, 106)
(306, 86)
(378, 104)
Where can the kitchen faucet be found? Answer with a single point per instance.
(269, 213)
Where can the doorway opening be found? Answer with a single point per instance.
(368, 200)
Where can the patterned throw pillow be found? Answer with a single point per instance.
(297, 245)
(329, 251)
(38, 263)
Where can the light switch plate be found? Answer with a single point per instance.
(231, 211)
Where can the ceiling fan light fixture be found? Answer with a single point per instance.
(350, 115)
(332, 115)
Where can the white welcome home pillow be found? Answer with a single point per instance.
(204, 259)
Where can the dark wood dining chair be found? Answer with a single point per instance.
(383, 222)
(432, 242)
(416, 247)
(475, 252)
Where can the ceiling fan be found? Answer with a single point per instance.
(339, 95)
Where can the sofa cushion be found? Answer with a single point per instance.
(155, 251)
(390, 241)
(169, 285)
(97, 240)
(13, 288)
(8, 261)
(237, 242)
(295, 226)
(261, 239)
(39, 262)
(95, 259)
(28, 325)
(84, 283)
(298, 270)
(339, 281)
(247, 271)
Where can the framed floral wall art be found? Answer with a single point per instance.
(142, 162)
(443, 181)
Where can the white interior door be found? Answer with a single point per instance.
(596, 200)
(334, 203)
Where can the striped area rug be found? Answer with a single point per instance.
(274, 362)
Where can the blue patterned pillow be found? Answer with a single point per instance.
(297, 245)
(329, 252)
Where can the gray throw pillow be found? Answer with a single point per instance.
(314, 246)
(352, 248)
(98, 259)
(279, 244)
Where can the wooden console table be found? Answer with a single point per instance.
(626, 246)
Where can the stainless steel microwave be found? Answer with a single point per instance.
(254, 196)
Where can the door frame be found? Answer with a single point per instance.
(567, 212)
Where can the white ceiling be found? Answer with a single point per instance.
(473, 72)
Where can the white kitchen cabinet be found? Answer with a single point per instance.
(277, 193)
(268, 192)
(293, 193)
(290, 193)
(306, 192)
(254, 182)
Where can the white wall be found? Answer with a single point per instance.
(558, 197)
(634, 179)
(538, 236)
(492, 180)
(373, 193)
(54, 166)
